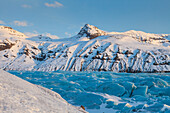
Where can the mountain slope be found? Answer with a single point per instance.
(91, 50)
(20, 96)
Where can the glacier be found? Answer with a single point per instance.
(91, 49)
(107, 91)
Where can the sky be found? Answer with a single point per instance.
(64, 18)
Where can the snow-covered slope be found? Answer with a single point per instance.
(9, 33)
(20, 96)
(91, 49)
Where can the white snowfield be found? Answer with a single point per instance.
(90, 50)
(20, 96)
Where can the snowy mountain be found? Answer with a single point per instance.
(91, 49)
(40, 38)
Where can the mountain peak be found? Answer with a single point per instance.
(5, 27)
(90, 31)
(6, 32)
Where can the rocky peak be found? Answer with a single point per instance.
(91, 32)
(5, 27)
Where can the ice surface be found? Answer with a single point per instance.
(106, 91)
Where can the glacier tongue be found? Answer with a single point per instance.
(107, 92)
(90, 50)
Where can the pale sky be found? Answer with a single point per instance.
(64, 18)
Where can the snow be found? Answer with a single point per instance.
(166, 107)
(91, 49)
(20, 96)
(9, 33)
(40, 38)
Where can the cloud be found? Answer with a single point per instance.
(26, 6)
(35, 33)
(31, 34)
(67, 34)
(2, 22)
(54, 5)
(20, 23)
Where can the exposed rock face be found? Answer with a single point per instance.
(91, 32)
(6, 45)
(131, 51)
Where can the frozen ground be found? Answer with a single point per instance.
(106, 91)
(20, 96)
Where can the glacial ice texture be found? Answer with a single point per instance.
(107, 91)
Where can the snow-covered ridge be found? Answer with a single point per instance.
(91, 50)
(145, 37)
(8, 32)
(40, 38)
(20, 96)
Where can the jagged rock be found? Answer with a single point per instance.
(91, 32)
